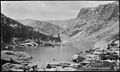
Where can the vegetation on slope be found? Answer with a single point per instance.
(42, 26)
(11, 28)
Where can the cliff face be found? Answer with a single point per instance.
(97, 23)
(102, 12)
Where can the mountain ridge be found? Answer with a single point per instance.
(43, 26)
(88, 23)
(108, 14)
(11, 29)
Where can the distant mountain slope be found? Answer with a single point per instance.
(42, 26)
(11, 28)
(99, 23)
(62, 23)
(95, 23)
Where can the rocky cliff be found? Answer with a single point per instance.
(99, 23)
(96, 23)
(102, 12)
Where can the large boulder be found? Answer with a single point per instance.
(12, 67)
(110, 56)
(77, 58)
(64, 64)
(101, 45)
(15, 57)
(101, 64)
(68, 69)
(6, 67)
(115, 43)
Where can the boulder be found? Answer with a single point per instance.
(69, 69)
(49, 66)
(15, 57)
(64, 64)
(77, 58)
(101, 45)
(101, 64)
(12, 67)
(91, 57)
(52, 69)
(109, 56)
(6, 67)
(115, 43)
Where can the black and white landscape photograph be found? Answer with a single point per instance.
(60, 36)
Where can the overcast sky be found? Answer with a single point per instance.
(45, 10)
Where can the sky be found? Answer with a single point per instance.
(45, 10)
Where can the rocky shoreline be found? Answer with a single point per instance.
(103, 57)
(15, 60)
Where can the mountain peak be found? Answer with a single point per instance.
(107, 11)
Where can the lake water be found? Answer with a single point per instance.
(44, 55)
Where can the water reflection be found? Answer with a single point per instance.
(44, 55)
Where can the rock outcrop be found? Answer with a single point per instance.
(95, 23)
(15, 61)
(99, 23)
(102, 57)
(102, 12)
(15, 57)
